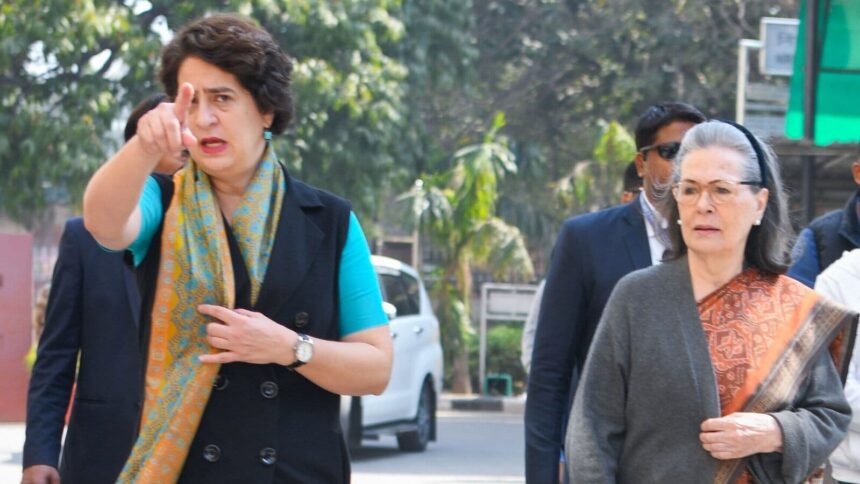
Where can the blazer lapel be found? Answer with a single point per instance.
(297, 242)
(637, 240)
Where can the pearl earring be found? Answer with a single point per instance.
(757, 222)
(679, 222)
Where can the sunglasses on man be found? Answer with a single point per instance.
(667, 151)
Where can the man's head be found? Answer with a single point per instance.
(168, 164)
(632, 184)
(658, 137)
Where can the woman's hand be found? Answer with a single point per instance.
(246, 336)
(741, 434)
(111, 210)
(163, 131)
(359, 364)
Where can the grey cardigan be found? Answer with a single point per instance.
(648, 384)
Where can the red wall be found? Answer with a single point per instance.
(16, 290)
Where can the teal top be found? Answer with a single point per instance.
(360, 298)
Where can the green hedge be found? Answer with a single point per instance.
(503, 353)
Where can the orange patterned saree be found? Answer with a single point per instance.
(764, 332)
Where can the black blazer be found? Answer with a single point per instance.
(592, 253)
(92, 310)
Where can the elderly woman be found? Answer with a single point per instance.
(713, 367)
(260, 302)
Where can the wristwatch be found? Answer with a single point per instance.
(304, 351)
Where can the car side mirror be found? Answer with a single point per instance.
(389, 309)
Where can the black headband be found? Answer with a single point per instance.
(759, 154)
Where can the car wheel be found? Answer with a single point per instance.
(416, 440)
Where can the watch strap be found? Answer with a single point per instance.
(303, 338)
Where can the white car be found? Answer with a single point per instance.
(407, 407)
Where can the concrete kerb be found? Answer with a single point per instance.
(483, 403)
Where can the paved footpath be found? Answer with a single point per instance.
(11, 443)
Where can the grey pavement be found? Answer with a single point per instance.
(11, 443)
(472, 447)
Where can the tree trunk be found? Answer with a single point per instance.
(460, 381)
(461, 376)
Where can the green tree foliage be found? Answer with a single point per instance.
(65, 70)
(457, 210)
(349, 95)
(503, 353)
(596, 183)
(559, 67)
(439, 50)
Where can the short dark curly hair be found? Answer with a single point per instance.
(237, 45)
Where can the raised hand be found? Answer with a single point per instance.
(164, 131)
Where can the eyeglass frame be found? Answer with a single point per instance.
(675, 186)
(658, 146)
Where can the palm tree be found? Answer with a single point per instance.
(456, 210)
(597, 184)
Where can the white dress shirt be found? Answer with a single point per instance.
(655, 244)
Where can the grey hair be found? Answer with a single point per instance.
(767, 244)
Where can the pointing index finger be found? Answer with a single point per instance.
(183, 101)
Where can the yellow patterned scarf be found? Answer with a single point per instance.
(195, 268)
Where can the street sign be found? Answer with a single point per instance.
(767, 126)
(778, 39)
(509, 303)
(764, 110)
(501, 302)
(759, 91)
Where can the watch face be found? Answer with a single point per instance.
(304, 351)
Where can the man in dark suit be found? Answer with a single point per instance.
(92, 311)
(592, 253)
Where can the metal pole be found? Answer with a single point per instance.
(482, 351)
(416, 250)
(744, 45)
(810, 85)
(740, 95)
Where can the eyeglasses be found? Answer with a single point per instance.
(667, 151)
(719, 192)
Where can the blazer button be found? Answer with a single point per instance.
(221, 382)
(212, 453)
(302, 319)
(268, 456)
(269, 389)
